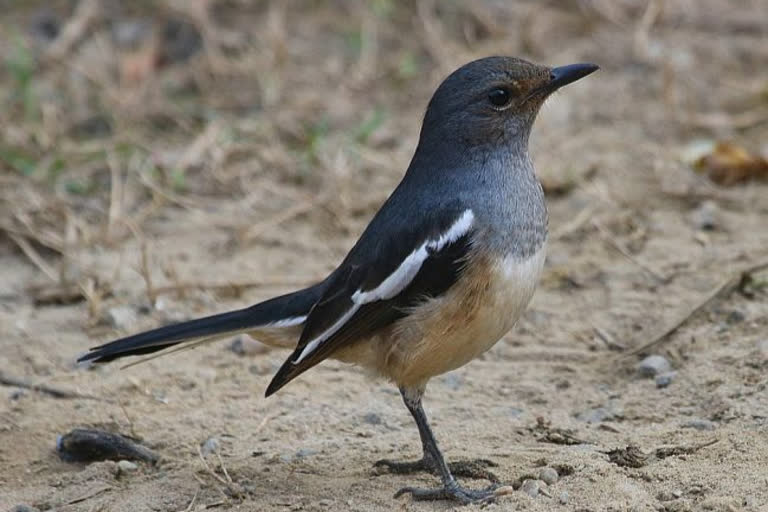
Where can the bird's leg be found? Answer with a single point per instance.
(471, 468)
(450, 490)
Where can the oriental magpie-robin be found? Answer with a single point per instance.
(443, 270)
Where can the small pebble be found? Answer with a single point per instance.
(762, 346)
(244, 345)
(372, 418)
(705, 217)
(563, 498)
(700, 424)
(653, 365)
(126, 466)
(549, 475)
(665, 379)
(24, 508)
(209, 446)
(530, 487)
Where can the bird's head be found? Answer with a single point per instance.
(493, 101)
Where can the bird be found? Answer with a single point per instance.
(442, 272)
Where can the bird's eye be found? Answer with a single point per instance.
(499, 97)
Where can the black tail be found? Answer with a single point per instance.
(285, 308)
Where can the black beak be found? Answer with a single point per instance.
(565, 75)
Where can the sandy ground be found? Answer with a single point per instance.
(614, 143)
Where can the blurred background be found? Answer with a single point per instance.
(164, 159)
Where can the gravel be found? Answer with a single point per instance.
(653, 365)
(531, 487)
(665, 379)
(706, 216)
(209, 446)
(244, 345)
(126, 466)
(549, 476)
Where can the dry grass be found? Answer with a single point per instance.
(290, 106)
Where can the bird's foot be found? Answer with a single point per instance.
(406, 467)
(452, 492)
(471, 468)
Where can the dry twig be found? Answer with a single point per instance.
(85, 15)
(90, 494)
(115, 194)
(253, 230)
(608, 237)
(574, 225)
(34, 256)
(192, 501)
(724, 288)
(228, 483)
(6, 380)
(652, 11)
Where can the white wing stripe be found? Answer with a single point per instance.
(404, 274)
(458, 230)
(312, 345)
(288, 322)
(395, 282)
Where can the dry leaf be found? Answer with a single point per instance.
(729, 164)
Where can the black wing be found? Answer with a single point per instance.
(350, 309)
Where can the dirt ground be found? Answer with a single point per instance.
(154, 174)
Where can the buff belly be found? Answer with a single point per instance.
(447, 332)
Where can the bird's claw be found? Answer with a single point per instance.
(452, 492)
